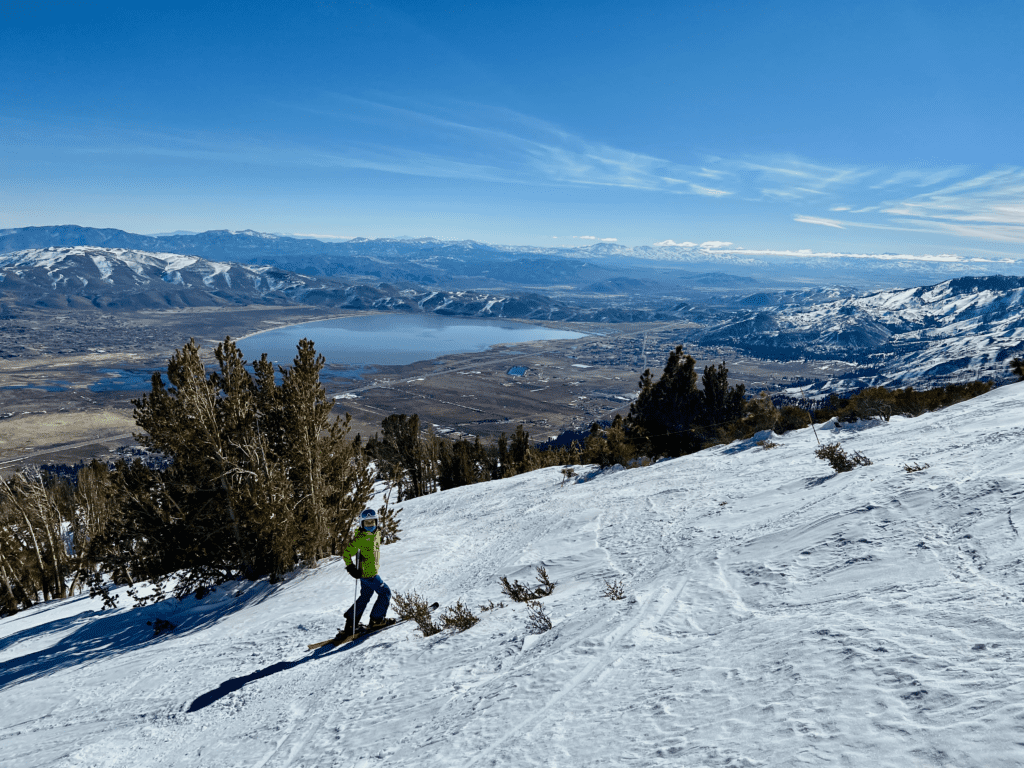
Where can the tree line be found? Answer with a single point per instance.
(257, 478)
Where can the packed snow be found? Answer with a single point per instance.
(775, 614)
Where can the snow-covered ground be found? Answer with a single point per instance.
(776, 615)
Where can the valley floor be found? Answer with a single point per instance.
(776, 614)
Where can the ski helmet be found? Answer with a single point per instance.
(368, 516)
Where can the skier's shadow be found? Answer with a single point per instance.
(237, 683)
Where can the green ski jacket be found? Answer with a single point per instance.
(368, 545)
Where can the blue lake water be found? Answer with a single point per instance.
(392, 339)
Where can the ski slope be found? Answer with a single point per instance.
(776, 614)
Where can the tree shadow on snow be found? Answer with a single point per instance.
(96, 635)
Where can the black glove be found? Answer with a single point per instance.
(353, 571)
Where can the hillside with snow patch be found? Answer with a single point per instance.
(118, 278)
(776, 614)
(962, 329)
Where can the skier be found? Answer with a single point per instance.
(362, 561)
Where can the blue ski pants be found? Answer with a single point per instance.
(367, 588)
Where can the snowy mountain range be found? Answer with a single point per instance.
(86, 276)
(122, 279)
(774, 614)
(961, 329)
(667, 268)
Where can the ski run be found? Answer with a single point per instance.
(775, 614)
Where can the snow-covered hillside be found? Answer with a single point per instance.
(80, 276)
(776, 615)
(957, 330)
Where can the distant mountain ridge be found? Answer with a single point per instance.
(469, 265)
(120, 278)
(958, 329)
(448, 265)
(83, 277)
(966, 327)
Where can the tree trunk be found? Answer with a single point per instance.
(56, 553)
(39, 556)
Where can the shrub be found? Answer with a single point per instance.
(613, 590)
(915, 467)
(537, 621)
(791, 417)
(883, 402)
(521, 593)
(839, 460)
(767, 444)
(412, 607)
(458, 618)
(491, 605)
(759, 414)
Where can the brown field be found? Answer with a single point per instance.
(48, 413)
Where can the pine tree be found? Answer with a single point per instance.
(261, 478)
(722, 403)
(461, 463)
(520, 453)
(401, 448)
(665, 413)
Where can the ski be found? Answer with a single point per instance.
(361, 632)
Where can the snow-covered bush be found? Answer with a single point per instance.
(522, 593)
(537, 620)
(458, 617)
(613, 590)
(839, 459)
(412, 607)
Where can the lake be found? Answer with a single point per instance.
(393, 339)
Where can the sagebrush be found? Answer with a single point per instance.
(522, 593)
(537, 620)
(411, 606)
(458, 618)
(839, 459)
(613, 590)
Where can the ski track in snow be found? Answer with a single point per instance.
(776, 614)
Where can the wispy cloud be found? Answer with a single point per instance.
(794, 178)
(818, 220)
(476, 143)
(922, 177)
(986, 207)
(479, 143)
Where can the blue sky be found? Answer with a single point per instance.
(863, 127)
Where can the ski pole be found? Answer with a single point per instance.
(355, 593)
